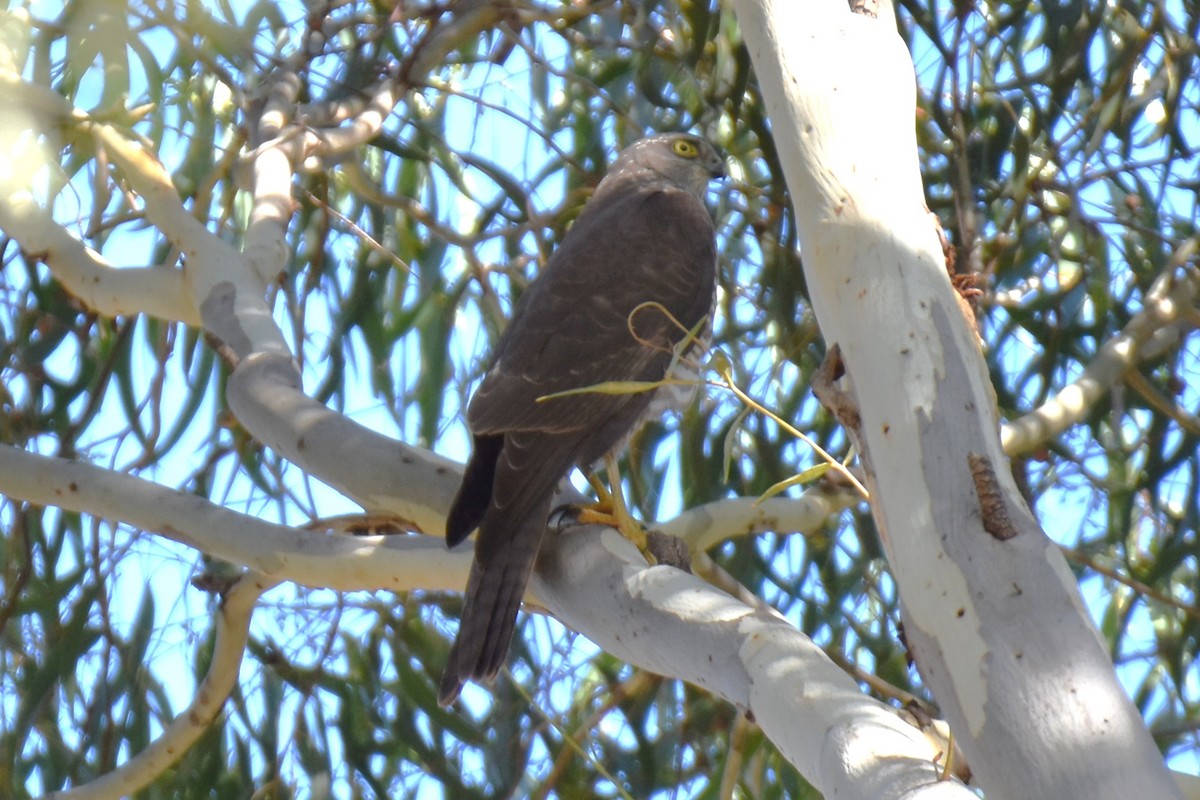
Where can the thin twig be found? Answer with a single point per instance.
(1080, 557)
(727, 382)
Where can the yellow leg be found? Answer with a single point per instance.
(604, 498)
(612, 511)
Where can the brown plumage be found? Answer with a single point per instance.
(645, 236)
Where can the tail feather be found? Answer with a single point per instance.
(475, 493)
(493, 597)
(521, 469)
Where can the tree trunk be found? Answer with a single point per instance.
(992, 614)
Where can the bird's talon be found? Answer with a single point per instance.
(626, 525)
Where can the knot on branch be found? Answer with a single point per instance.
(992, 507)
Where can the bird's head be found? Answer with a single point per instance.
(682, 158)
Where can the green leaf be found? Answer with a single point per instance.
(807, 476)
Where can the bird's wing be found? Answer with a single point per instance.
(570, 330)
(571, 327)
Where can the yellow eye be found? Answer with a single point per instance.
(685, 148)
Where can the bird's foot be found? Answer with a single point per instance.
(655, 546)
(605, 502)
(614, 515)
(610, 509)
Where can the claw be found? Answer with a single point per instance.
(611, 510)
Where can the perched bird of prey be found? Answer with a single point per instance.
(633, 275)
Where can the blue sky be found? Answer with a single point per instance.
(166, 567)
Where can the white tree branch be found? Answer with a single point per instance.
(334, 128)
(214, 269)
(273, 164)
(158, 291)
(308, 557)
(706, 525)
(748, 656)
(228, 295)
(328, 141)
(675, 624)
(318, 559)
(380, 473)
(1168, 316)
(232, 632)
(227, 291)
(264, 390)
(216, 281)
(219, 285)
(743, 648)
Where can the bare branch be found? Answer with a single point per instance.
(739, 642)
(308, 557)
(365, 120)
(1169, 315)
(158, 291)
(709, 524)
(45, 103)
(673, 623)
(233, 631)
(326, 140)
(468, 18)
(380, 473)
(273, 164)
(1162, 404)
(228, 296)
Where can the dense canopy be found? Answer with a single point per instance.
(453, 147)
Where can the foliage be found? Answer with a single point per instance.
(1059, 150)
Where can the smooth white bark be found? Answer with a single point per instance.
(670, 622)
(996, 624)
(314, 558)
(657, 617)
(159, 291)
(381, 474)
(100, 285)
(706, 525)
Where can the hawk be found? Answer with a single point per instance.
(633, 275)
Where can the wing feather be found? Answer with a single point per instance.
(656, 245)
